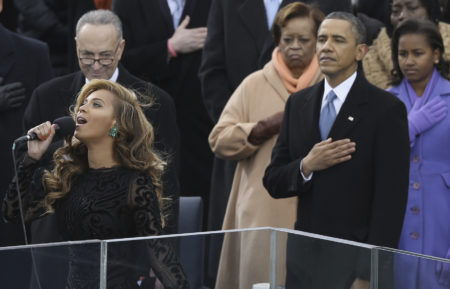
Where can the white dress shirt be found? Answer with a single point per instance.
(113, 77)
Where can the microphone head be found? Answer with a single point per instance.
(65, 125)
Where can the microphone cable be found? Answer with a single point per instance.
(22, 218)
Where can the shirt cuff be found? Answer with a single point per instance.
(305, 179)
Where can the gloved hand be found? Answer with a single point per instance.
(266, 128)
(422, 118)
(12, 95)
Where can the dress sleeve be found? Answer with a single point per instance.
(147, 218)
(31, 190)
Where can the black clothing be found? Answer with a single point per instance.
(102, 204)
(362, 199)
(54, 21)
(54, 98)
(147, 25)
(24, 60)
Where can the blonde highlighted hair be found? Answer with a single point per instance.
(132, 145)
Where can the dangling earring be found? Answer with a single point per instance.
(113, 131)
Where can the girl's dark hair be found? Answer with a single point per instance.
(433, 38)
(432, 7)
(295, 10)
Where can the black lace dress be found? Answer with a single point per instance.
(103, 204)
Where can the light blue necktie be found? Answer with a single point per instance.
(327, 115)
(271, 10)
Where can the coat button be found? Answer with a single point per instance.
(416, 185)
(415, 210)
(416, 159)
(414, 235)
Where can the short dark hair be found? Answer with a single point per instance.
(358, 28)
(295, 10)
(431, 6)
(433, 37)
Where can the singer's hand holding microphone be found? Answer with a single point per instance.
(45, 133)
(40, 137)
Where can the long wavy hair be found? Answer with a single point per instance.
(433, 38)
(132, 146)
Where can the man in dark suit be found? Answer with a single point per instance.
(164, 43)
(343, 149)
(24, 64)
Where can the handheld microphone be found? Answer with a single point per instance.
(64, 126)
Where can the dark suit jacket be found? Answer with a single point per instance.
(26, 60)
(147, 26)
(53, 99)
(363, 199)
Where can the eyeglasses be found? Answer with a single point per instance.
(91, 61)
(102, 61)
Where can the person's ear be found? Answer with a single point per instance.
(120, 49)
(436, 55)
(361, 51)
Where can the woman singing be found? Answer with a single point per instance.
(105, 184)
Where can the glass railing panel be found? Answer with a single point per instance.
(250, 258)
(155, 256)
(314, 261)
(406, 270)
(51, 266)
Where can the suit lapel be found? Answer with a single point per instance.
(311, 113)
(189, 8)
(161, 7)
(253, 16)
(352, 111)
(6, 52)
(69, 95)
(125, 77)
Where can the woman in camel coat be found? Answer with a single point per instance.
(247, 131)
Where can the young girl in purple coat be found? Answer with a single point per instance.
(420, 79)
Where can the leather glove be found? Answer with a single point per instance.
(12, 95)
(425, 117)
(266, 128)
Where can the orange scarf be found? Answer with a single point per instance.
(294, 84)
